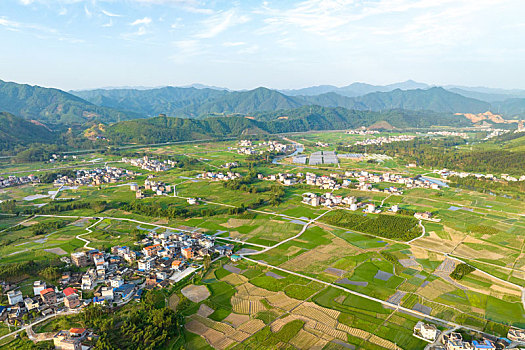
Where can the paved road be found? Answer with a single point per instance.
(24, 328)
(88, 229)
(290, 238)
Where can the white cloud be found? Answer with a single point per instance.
(63, 12)
(109, 14)
(87, 12)
(26, 2)
(143, 21)
(109, 24)
(221, 21)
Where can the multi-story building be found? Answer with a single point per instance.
(14, 297)
(79, 259)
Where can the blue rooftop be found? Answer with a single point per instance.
(484, 345)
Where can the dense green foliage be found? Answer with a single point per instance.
(388, 226)
(461, 270)
(442, 153)
(21, 269)
(47, 227)
(143, 326)
(52, 105)
(483, 185)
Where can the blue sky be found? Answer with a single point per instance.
(75, 44)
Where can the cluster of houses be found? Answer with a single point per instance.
(384, 140)
(57, 158)
(219, 176)
(331, 200)
(448, 133)
(247, 147)
(151, 164)
(159, 188)
(364, 179)
(12, 180)
(361, 131)
(495, 133)
(94, 177)
(115, 277)
(44, 300)
(445, 173)
(454, 340)
(230, 165)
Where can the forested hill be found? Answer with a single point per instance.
(191, 102)
(165, 129)
(201, 103)
(53, 106)
(152, 102)
(16, 131)
(434, 99)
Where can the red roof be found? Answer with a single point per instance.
(152, 246)
(45, 291)
(77, 330)
(68, 291)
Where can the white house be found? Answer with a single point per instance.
(14, 297)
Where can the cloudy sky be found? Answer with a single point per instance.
(74, 44)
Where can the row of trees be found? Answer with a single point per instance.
(388, 226)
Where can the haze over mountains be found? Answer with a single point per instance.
(54, 106)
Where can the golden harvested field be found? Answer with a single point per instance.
(234, 279)
(236, 319)
(435, 288)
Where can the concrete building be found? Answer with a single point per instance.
(79, 259)
(38, 286)
(14, 297)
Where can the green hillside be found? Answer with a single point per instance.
(15, 131)
(53, 106)
(164, 129)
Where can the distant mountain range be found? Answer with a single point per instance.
(54, 106)
(205, 102)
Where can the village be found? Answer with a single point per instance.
(445, 173)
(383, 140)
(114, 277)
(12, 180)
(94, 177)
(146, 163)
(248, 147)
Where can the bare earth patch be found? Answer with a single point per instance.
(57, 251)
(195, 293)
(173, 301)
(205, 310)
